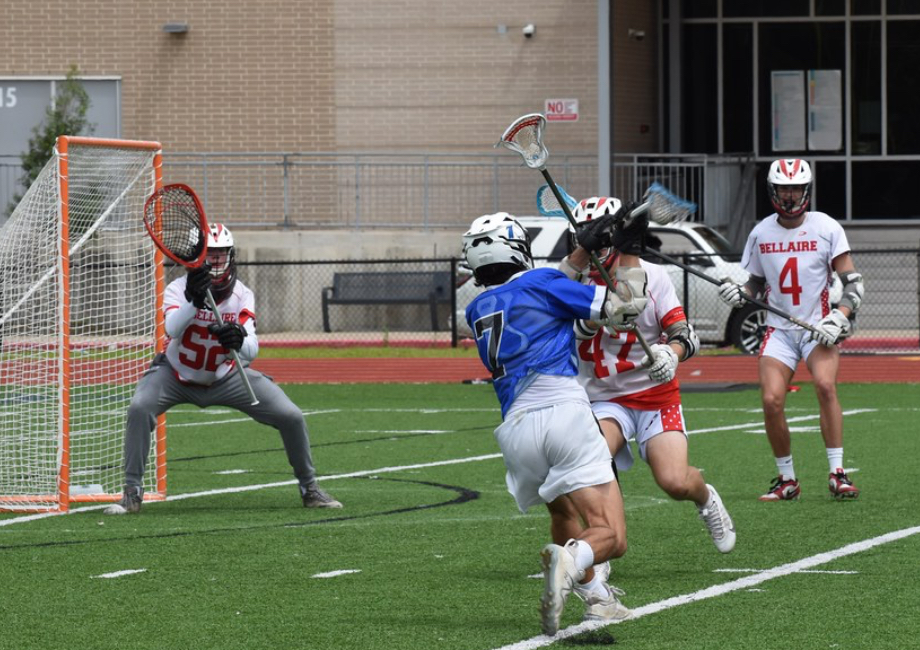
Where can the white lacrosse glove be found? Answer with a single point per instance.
(832, 328)
(663, 365)
(624, 305)
(730, 293)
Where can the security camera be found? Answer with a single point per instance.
(636, 34)
(529, 30)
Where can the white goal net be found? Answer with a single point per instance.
(81, 284)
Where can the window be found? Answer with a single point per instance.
(866, 59)
(885, 190)
(737, 88)
(700, 127)
(817, 46)
(903, 100)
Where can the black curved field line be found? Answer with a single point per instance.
(396, 436)
(464, 495)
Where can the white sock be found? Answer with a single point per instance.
(784, 466)
(835, 458)
(584, 554)
(596, 587)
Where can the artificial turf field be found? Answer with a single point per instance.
(431, 552)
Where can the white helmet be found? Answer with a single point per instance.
(498, 241)
(594, 208)
(789, 171)
(223, 272)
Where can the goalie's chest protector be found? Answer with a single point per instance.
(197, 356)
(797, 265)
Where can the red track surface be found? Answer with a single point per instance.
(706, 369)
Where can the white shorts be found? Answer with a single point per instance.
(787, 346)
(551, 451)
(640, 426)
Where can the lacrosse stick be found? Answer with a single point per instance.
(754, 301)
(525, 137)
(176, 223)
(661, 203)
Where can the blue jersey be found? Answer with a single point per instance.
(524, 327)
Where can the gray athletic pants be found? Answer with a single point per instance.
(159, 390)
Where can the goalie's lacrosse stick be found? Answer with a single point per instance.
(525, 137)
(176, 223)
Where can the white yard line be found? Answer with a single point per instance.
(119, 574)
(720, 590)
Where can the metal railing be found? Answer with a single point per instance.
(289, 304)
(428, 190)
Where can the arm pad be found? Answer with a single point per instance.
(756, 285)
(853, 290)
(682, 332)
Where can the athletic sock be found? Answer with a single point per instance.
(835, 458)
(596, 587)
(784, 466)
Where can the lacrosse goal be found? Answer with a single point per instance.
(81, 290)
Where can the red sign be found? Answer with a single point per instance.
(561, 110)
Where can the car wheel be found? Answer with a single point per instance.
(748, 328)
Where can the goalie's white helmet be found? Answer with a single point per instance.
(495, 244)
(222, 258)
(593, 208)
(786, 172)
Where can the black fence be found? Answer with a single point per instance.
(421, 302)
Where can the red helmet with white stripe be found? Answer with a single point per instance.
(785, 178)
(594, 208)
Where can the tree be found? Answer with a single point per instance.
(65, 116)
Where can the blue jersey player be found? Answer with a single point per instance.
(553, 449)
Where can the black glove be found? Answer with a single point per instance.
(629, 232)
(197, 283)
(596, 234)
(230, 335)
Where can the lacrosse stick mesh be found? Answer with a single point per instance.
(525, 137)
(548, 205)
(665, 207)
(176, 222)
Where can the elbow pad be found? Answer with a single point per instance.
(853, 290)
(682, 332)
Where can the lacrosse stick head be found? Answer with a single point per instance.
(177, 225)
(525, 137)
(664, 207)
(548, 205)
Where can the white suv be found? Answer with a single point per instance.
(692, 243)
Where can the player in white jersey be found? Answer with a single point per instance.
(634, 402)
(197, 369)
(553, 450)
(791, 256)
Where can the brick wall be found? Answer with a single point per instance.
(325, 75)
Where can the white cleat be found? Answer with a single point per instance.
(560, 577)
(719, 523)
(115, 509)
(606, 609)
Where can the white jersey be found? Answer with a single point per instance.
(193, 352)
(797, 265)
(609, 364)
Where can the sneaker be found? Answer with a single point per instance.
(560, 577)
(841, 486)
(606, 609)
(130, 504)
(719, 523)
(316, 497)
(783, 488)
